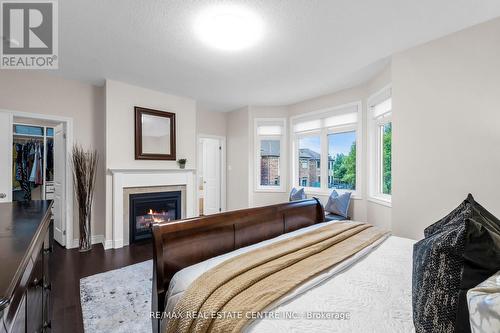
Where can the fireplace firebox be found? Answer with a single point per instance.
(146, 208)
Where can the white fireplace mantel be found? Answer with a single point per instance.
(125, 178)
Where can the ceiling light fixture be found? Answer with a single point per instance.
(228, 27)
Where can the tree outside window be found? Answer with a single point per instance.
(387, 158)
(342, 160)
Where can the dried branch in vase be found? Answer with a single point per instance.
(84, 176)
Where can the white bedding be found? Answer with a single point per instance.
(373, 287)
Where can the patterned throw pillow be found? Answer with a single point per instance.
(458, 252)
(296, 194)
(338, 204)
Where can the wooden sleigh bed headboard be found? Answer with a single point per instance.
(183, 243)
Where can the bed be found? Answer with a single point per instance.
(369, 291)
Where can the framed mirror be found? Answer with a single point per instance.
(154, 134)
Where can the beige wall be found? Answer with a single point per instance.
(446, 134)
(238, 148)
(211, 123)
(37, 92)
(120, 101)
(446, 97)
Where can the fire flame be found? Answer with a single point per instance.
(156, 218)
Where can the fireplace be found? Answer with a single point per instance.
(146, 208)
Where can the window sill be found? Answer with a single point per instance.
(354, 195)
(269, 190)
(381, 201)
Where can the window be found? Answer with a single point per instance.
(269, 138)
(325, 149)
(270, 162)
(28, 130)
(309, 172)
(342, 160)
(303, 182)
(380, 116)
(386, 144)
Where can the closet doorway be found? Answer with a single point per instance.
(34, 151)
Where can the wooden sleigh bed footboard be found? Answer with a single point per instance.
(183, 243)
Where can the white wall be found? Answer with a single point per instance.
(120, 101)
(37, 92)
(446, 134)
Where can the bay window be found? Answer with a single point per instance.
(325, 149)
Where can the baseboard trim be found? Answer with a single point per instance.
(108, 244)
(96, 239)
(117, 243)
(99, 239)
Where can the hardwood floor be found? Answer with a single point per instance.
(69, 266)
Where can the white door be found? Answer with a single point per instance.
(6, 157)
(59, 184)
(211, 175)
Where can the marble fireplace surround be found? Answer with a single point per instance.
(128, 181)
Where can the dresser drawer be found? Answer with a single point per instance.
(19, 320)
(34, 297)
(26, 284)
(15, 313)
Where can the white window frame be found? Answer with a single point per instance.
(283, 157)
(375, 144)
(323, 133)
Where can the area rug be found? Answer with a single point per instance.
(118, 301)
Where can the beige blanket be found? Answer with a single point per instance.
(227, 297)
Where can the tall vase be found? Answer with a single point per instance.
(85, 232)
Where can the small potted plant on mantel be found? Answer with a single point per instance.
(182, 163)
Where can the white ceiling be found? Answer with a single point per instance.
(309, 48)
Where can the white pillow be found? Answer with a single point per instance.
(484, 306)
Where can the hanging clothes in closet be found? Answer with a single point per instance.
(50, 160)
(36, 169)
(28, 165)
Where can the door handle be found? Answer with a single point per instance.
(3, 195)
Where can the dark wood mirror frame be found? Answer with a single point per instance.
(139, 154)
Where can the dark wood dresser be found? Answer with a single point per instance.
(26, 234)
